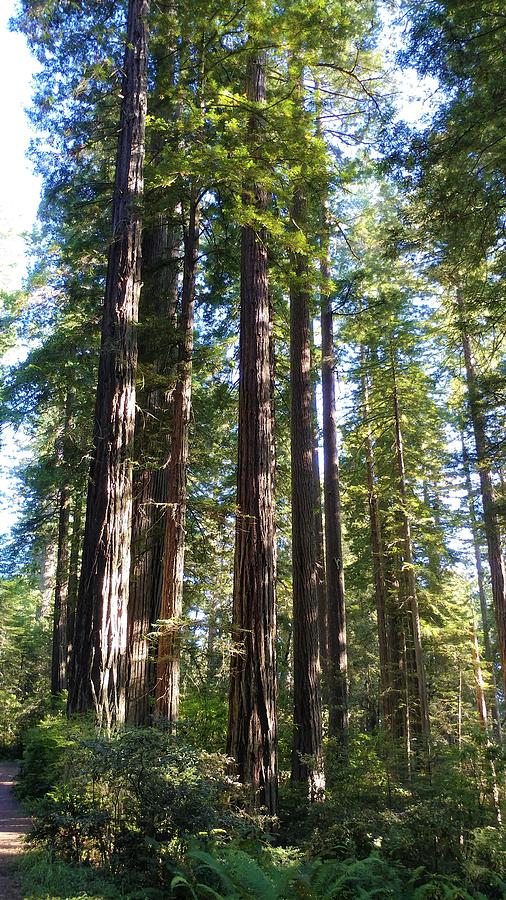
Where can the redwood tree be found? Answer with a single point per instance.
(252, 740)
(307, 764)
(337, 665)
(168, 663)
(98, 663)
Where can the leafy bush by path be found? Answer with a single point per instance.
(131, 802)
(162, 819)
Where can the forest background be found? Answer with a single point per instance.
(254, 605)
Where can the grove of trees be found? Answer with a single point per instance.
(265, 394)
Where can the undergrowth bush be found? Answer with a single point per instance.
(132, 801)
(163, 818)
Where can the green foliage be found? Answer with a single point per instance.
(24, 650)
(43, 877)
(130, 801)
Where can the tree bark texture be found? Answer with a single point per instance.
(419, 711)
(321, 584)
(307, 765)
(169, 652)
(337, 662)
(73, 582)
(492, 530)
(158, 305)
(98, 663)
(489, 653)
(252, 735)
(378, 562)
(60, 646)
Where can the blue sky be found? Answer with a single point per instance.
(19, 199)
(19, 196)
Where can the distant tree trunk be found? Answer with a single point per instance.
(60, 647)
(168, 662)
(407, 583)
(73, 583)
(252, 736)
(47, 573)
(492, 531)
(321, 585)
(489, 653)
(378, 563)
(212, 634)
(307, 763)
(98, 662)
(481, 704)
(60, 613)
(337, 663)
(158, 303)
(158, 351)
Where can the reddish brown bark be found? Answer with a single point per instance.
(337, 662)
(168, 663)
(59, 648)
(73, 583)
(252, 737)
(417, 688)
(307, 765)
(98, 662)
(489, 653)
(492, 530)
(321, 584)
(378, 562)
(158, 304)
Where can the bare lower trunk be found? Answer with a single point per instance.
(481, 705)
(407, 584)
(492, 531)
(489, 654)
(378, 563)
(60, 647)
(307, 763)
(73, 583)
(98, 662)
(168, 662)
(252, 735)
(158, 303)
(47, 575)
(321, 585)
(145, 589)
(337, 664)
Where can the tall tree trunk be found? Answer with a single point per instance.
(378, 562)
(60, 646)
(407, 582)
(47, 573)
(159, 303)
(492, 531)
(321, 584)
(252, 735)
(337, 663)
(158, 352)
(98, 662)
(60, 613)
(168, 662)
(73, 583)
(307, 762)
(489, 653)
(481, 704)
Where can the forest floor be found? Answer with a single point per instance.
(13, 825)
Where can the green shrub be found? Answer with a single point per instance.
(133, 801)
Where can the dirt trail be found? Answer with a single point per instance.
(13, 825)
